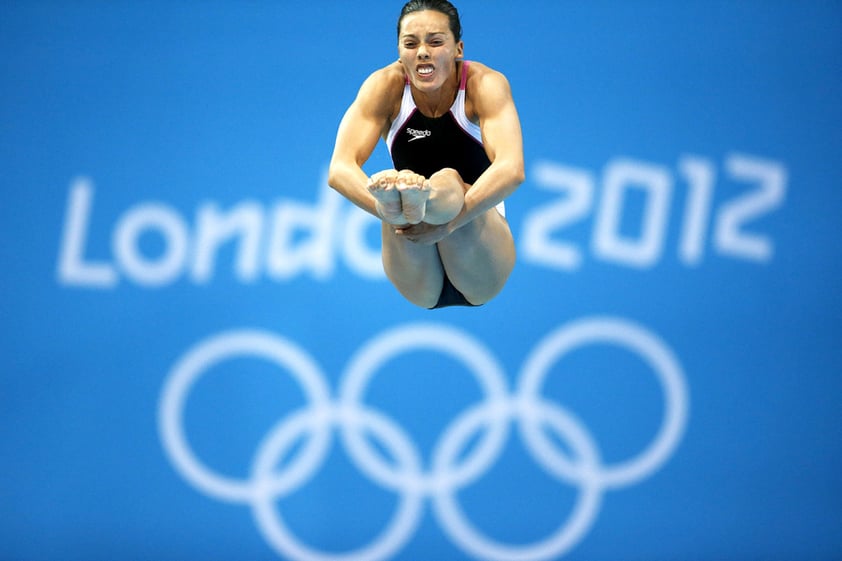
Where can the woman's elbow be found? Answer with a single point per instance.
(334, 175)
(517, 174)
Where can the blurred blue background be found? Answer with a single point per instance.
(163, 175)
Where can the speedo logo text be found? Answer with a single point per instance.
(417, 134)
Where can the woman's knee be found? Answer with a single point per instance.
(448, 177)
(447, 196)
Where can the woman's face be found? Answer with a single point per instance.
(427, 49)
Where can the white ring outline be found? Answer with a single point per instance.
(569, 533)
(635, 339)
(271, 524)
(190, 368)
(451, 342)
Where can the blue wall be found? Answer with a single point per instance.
(202, 360)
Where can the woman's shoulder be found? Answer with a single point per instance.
(485, 89)
(386, 82)
(381, 93)
(480, 75)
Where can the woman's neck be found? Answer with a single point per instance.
(437, 103)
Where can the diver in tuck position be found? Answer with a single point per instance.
(452, 129)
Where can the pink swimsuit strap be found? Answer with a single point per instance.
(465, 65)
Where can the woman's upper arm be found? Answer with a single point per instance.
(364, 121)
(499, 120)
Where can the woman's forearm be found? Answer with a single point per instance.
(352, 183)
(499, 181)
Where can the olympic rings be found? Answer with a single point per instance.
(449, 471)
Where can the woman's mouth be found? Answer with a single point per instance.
(425, 71)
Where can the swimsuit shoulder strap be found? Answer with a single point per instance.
(464, 80)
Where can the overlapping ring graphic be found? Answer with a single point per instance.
(448, 470)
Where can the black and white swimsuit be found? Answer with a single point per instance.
(426, 145)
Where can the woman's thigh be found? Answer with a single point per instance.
(479, 257)
(415, 270)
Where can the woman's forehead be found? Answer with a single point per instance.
(425, 22)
